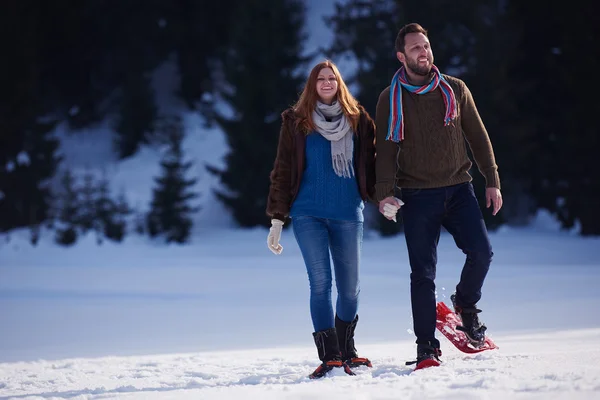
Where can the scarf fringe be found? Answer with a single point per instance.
(342, 166)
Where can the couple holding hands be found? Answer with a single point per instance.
(332, 158)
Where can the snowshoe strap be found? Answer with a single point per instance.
(469, 310)
(481, 329)
(358, 361)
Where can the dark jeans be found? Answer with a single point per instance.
(424, 213)
(316, 237)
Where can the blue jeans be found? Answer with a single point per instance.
(316, 237)
(424, 213)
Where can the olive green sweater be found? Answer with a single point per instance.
(432, 155)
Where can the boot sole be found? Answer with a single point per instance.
(430, 362)
(323, 369)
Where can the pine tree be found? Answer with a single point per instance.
(68, 210)
(261, 69)
(139, 222)
(118, 229)
(137, 116)
(198, 40)
(26, 165)
(87, 210)
(171, 213)
(35, 233)
(104, 209)
(110, 214)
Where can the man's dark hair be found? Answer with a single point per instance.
(406, 29)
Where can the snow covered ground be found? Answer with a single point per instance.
(226, 319)
(558, 366)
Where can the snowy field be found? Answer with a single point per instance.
(558, 366)
(224, 318)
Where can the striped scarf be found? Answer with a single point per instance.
(396, 119)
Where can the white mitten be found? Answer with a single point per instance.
(275, 236)
(390, 210)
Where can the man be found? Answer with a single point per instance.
(423, 119)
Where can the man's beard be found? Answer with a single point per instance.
(417, 69)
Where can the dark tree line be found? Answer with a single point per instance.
(528, 66)
(241, 63)
(93, 61)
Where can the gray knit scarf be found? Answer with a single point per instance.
(338, 131)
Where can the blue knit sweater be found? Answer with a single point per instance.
(322, 193)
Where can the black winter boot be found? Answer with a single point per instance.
(428, 355)
(471, 326)
(345, 332)
(329, 353)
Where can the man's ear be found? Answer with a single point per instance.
(400, 56)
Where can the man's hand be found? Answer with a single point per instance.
(493, 196)
(389, 207)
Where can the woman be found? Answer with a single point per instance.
(323, 173)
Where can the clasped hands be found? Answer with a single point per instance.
(389, 207)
